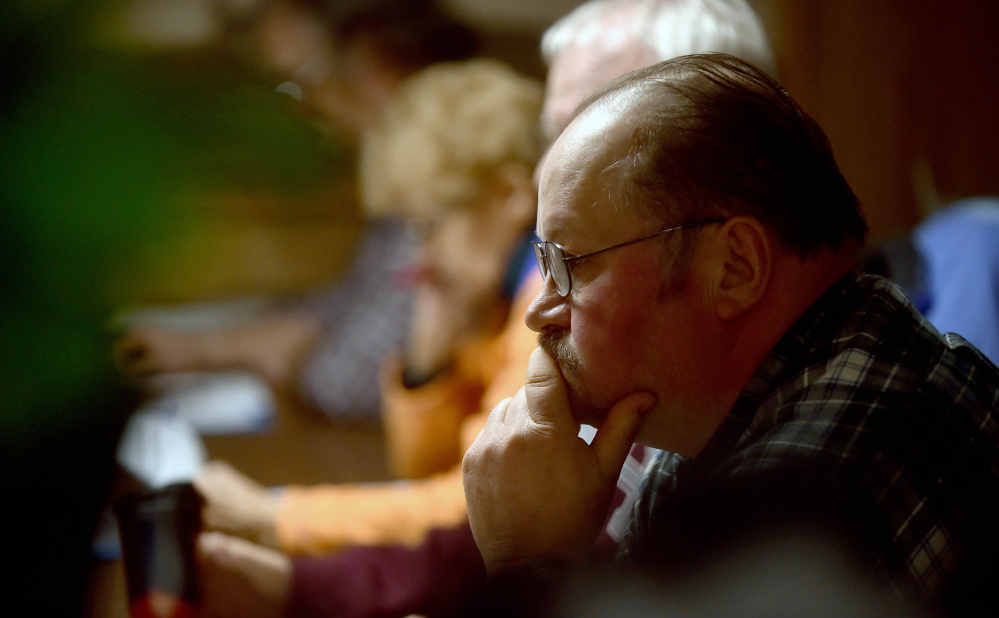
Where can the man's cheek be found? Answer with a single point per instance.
(605, 363)
(589, 343)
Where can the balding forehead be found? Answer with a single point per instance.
(593, 142)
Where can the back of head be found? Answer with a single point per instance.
(666, 28)
(714, 136)
(451, 127)
(412, 34)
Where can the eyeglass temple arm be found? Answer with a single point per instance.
(647, 236)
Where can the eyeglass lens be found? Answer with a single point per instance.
(551, 259)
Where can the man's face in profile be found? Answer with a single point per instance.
(612, 334)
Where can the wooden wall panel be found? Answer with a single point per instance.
(906, 90)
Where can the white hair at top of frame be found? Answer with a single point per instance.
(668, 28)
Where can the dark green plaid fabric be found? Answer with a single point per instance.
(867, 396)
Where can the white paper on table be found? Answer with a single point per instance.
(231, 402)
(160, 447)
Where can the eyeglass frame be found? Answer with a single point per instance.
(541, 251)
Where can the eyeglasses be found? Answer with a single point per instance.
(553, 260)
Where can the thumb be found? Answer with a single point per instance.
(545, 391)
(617, 433)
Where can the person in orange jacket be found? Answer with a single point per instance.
(454, 155)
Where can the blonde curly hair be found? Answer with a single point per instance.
(446, 133)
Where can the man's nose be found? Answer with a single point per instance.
(548, 308)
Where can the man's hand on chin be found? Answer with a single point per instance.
(536, 492)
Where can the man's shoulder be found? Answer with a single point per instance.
(905, 354)
(880, 340)
(870, 361)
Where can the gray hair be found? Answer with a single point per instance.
(667, 28)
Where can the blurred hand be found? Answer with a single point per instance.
(236, 504)
(147, 350)
(273, 347)
(240, 579)
(535, 490)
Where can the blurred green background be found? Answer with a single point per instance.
(121, 168)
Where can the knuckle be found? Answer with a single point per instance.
(542, 380)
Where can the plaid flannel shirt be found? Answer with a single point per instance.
(367, 315)
(864, 392)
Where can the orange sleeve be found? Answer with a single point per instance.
(324, 518)
(328, 517)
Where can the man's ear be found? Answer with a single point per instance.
(745, 262)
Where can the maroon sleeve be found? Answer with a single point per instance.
(436, 578)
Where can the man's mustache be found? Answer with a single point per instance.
(555, 341)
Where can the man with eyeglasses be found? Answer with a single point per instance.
(598, 41)
(702, 297)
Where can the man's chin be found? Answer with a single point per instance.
(591, 418)
(583, 411)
